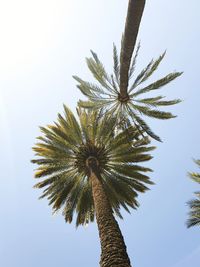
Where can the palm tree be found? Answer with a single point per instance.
(106, 94)
(91, 168)
(133, 19)
(194, 214)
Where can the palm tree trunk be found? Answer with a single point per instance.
(134, 15)
(113, 248)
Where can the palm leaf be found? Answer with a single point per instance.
(140, 76)
(153, 113)
(160, 83)
(194, 205)
(153, 67)
(116, 63)
(143, 125)
(133, 64)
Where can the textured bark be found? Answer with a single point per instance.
(113, 248)
(134, 15)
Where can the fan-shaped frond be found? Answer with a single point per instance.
(62, 154)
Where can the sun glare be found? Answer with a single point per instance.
(27, 29)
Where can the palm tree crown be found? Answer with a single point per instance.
(107, 95)
(63, 152)
(194, 204)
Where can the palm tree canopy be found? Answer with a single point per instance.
(106, 94)
(194, 214)
(62, 152)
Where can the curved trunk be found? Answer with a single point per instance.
(134, 15)
(113, 248)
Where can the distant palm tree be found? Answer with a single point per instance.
(91, 168)
(133, 19)
(194, 214)
(106, 94)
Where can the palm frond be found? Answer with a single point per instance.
(99, 72)
(143, 125)
(116, 66)
(194, 221)
(194, 205)
(168, 103)
(158, 84)
(140, 76)
(145, 110)
(195, 176)
(153, 67)
(133, 64)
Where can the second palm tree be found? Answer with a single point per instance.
(91, 168)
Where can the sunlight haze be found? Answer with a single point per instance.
(42, 44)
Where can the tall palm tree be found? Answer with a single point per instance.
(133, 19)
(106, 94)
(91, 168)
(194, 214)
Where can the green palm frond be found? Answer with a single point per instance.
(194, 205)
(133, 64)
(132, 108)
(61, 156)
(116, 66)
(153, 67)
(156, 85)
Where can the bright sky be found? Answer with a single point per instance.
(42, 44)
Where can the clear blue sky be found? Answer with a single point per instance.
(43, 43)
